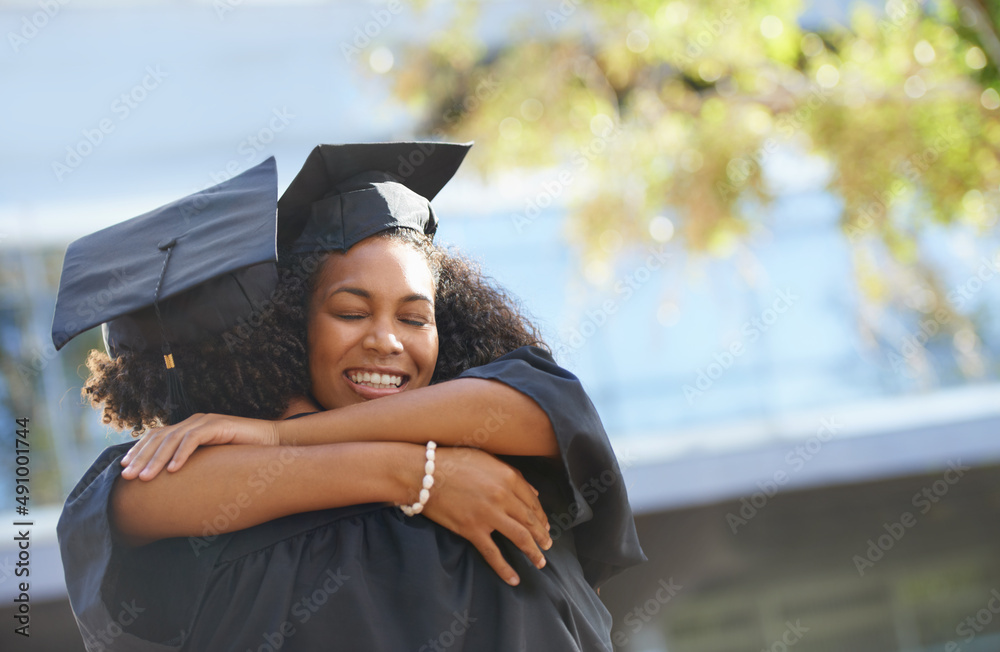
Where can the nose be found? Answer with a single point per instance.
(382, 339)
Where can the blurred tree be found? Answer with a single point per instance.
(654, 117)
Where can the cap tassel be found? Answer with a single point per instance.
(177, 400)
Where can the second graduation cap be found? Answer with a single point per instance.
(179, 273)
(345, 193)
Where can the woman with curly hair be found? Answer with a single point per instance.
(386, 315)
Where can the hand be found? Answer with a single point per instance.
(176, 443)
(475, 494)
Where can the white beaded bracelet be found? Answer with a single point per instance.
(425, 491)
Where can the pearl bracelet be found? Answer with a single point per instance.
(425, 491)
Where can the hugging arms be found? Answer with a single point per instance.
(363, 453)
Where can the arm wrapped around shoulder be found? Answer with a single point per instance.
(600, 513)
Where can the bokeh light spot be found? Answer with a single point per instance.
(601, 125)
(611, 241)
(862, 51)
(812, 45)
(973, 202)
(759, 120)
(965, 340)
(597, 272)
(827, 76)
(532, 109)
(771, 27)
(710, 70)
(990, 99)
(637, 41)
(675, 13)
(924, 53)
(915, 87)
(661, 228)
(381, 60)
(975, 58)
(510, 128)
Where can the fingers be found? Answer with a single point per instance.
(132, 452)
(488, 549)
(139, 454)
(533, 517)
(538, 530)
(188, 445)
(142, 443)
(163, 454)
(530, 500)
(147, 463)
(523, 539)
(147, 458)
(529, 496)
(527, 519)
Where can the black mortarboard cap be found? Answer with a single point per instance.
(346, 193)
(186, 270)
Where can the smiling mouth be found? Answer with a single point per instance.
(376, 380)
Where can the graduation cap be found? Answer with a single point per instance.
(346, 193)
(177, 274)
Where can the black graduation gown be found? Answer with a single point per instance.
(366, 577)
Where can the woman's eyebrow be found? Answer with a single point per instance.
(416, 296)
(365, 294)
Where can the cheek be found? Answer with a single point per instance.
(323, 340)
(429, 353)
(314, 340)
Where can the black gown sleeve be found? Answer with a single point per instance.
(599, 512)
(128, 598)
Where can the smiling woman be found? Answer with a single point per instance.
(371, 323)
(382, 314)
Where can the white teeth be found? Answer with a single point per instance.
(376, 380)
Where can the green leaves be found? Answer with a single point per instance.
(675, 108)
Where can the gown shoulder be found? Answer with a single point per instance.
(598, 508)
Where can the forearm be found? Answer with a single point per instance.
(264, 483)
(485, 414)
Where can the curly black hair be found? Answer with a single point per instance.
(256, 368)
